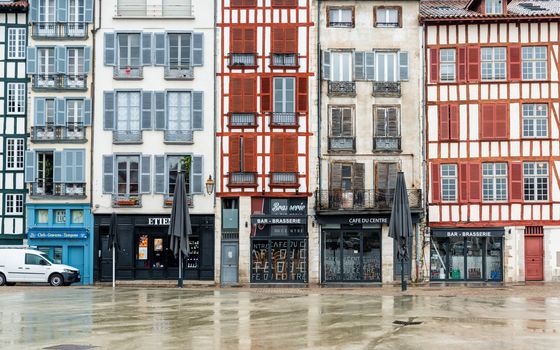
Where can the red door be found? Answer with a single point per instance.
(534, 258)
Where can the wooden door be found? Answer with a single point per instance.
(534, 258)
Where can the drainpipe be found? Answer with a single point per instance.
(214, 72)
(420, 245)
(92, 97)
(319, 157)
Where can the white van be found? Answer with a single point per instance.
(29, 265)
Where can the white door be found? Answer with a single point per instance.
(36, 268)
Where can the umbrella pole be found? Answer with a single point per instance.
(403, 281)
(180, 281)
(113, 266)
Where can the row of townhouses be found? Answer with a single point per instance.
(291, 119)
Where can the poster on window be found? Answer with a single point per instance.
(143, 247)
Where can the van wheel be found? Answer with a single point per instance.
(56, 280)
(2, 279)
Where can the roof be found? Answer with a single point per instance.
(455, 9)
(17, 5)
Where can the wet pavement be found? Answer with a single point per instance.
(166, 318)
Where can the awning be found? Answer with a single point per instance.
(467, 232)
(58, 233)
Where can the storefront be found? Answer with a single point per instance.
(279, 240)
(145, 253)
(473, 254)
(64, 233)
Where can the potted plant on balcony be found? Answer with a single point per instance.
(127, 201)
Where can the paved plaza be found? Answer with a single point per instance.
(206, 318)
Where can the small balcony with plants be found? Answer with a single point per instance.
(46, 188)
(126, 200)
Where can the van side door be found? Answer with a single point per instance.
(15, 266)
(36, 268)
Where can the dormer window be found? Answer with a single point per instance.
(494, 7)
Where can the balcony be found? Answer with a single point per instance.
(127, 136)
(48, 189)
(154, 11)
(363, 199)
(46, 82)
(126, 201)
(242, 60)
(284, 119)
(284, 180)
(342, 88)
(241, 120)
(387, 143)
(387, 88)
(53, 30)
(178, 136)
(284, 60)
(342, 143)
(178, 72)
(50, 133)
(168, 201)
(128, 73)
(242, 179)
(346, 24)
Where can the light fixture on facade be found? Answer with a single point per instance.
(210, 185)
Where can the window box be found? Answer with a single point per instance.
(176, 72)
(242, 120)
(178, 136)
(387, 89)
(243, 60)
(128, 73)
(242, 179)
(168, 201)
(342, 143)
(127, 136)
(126, 200)
(284, 119)
(342, 88)
(284, 179)
(284, 60)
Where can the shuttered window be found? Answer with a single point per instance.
(494, 121)
(242, 95)
(284, 40)
(242, 153)
(284, 3)
(179, 50)
(284, 95)
(448, 122)
(173, 163)
(284, 153)
(347, 176)
(448, 64)
(342, 123)
(387, 121)
(385, 181)
(243, 3)
(494, 182)
(493, 63)
(128, 54)
(448, 178)
(242, 40)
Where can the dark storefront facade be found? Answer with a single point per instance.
(473, 254)
(145, 253)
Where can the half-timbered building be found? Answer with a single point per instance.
(493, 149)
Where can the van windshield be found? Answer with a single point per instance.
(48, 258)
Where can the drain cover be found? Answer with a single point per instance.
(70, 347)
(407, 323)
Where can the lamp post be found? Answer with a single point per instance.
(210, 185)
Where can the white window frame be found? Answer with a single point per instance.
(14, 204)
(15, 148)
(16, 43)
(381, 62)
(447, 65)
(183, 124)
(76, 12)
(77, 107)
(283, 96)
(46, 61)
(533, 175)
(494, 63)
(75, 61)
(336, 16)
(343, 60)
(180, 45)
(128, 160)
(16, 98)
(494, 182)
(449, 182)
(47, 11)
(126, 117)
(494, 7)
(129, 46)
(535, 115)
(383, 15)
(532, 65)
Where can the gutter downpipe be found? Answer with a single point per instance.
(92, 96)
(420, 245)
(319, 157)
(214, 72)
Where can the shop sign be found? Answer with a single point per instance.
(291, 206)
(57, 235)
(366, 221)
(353, 220)
(476, 232)
(159, 221)
(274, 220)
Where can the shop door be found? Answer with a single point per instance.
(534, 258)
(76, 258)
(229, 262)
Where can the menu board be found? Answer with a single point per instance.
(143, 247)
(194, 253)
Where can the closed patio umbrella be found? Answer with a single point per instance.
(113, 241)
(180, 227)
(400, 226)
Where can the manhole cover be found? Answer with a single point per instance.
(407, 323)
(70, 347)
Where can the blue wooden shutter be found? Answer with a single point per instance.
(359, 65)
(108, 174)
(61, 10)
(87, 60)
(87, 112)
(60, 59)
(29, 166)
(40, 115)
(109, 110)
(80, 167)
(198, 108)
(147, 110)
(34, 11)
(88, 11)
(145, 174)
(159, 181)
(160, 110)
(160, 49)
(69, 165)
(58, 175)
(198, 49)
(403, 65)
(109, 57)
(31, 66)
(196, 175)
(146, 49)
(60, 115)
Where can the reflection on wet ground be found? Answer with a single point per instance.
(37, 318)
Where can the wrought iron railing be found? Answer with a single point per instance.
(71, 132)
(387, 88)
(47, 188)
(128, 72)
(180, 136)
(341, 24)
(242, 60)
(75, 82)
(178, 72)
(54, 30)
(142, 10)
(242, 119)
(59, 82)
(242, 179)
(284, 178)
(342, 88)
(284, 119)
(342, 143)
(126, 200)
(284, 60)
(363, 199)
(127, 136)
(387, 143)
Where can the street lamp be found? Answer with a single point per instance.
(210, 185)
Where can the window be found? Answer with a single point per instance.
(16, 43)
(535, 181)
(42, 216)
(341, 66)
(128, 111)
(386, 63)
(284, 95)
(33, 259)
(179, 55)
(342, 124)
(242, 98)
(348, 177)
(242, 47)
(127, 175)
(341, 17)
(385, 182)
(449, 182)
(16, 98)
(346, 183)
(242, 153)
(129, 50)
(387, 17)
(386, 121)
(74, 113)
(284, 40)
(45, 57)
(60, 216)
(173, 163)
(14, 204)
(448, 122)
(284, 3)
(447, 59)
(75, 62)
(284, 159)
(535, 120)
(534, 63)
(494, 181)
(77, 216)
(49, 111)
(76, 11)
(179, 111)
(14, 154)
(47, 11)
(494, 7)
(243, 3)
(493, 63)
(494, 121)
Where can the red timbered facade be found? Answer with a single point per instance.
(263, 138)
(492, 138)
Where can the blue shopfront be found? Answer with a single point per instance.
(63, 231)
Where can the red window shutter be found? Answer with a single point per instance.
(236, 40)
(444, 122)
(475, 188)
(278, 163)
(302, 95)
(249, 103)
(486, 127)
(290, 44)
(434, 65)
(436, 186)
(249, 41)
(249, 154)
(464, 182)
(236, 95)
(234, 153)
(454, 122)
(278, 40)
(501, 121)
(474, 64)
(265, 94)
(462, 64)
(514, 63)
(516, 182)
(291, 153)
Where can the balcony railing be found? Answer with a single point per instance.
(127, 136)
(342, 88)
(178, 72)
(387, 143)
(241, 60)
(284, 60)
(126, 200)
(284, 179)
(72, 132)
(284, 119)
(342, 143)
(363, 199)
(242, 120)
(47, 188)
(124, 73)
(154, 11)
(168, 200)
(178, 136)
(337, 24)
(242, 179)
(59, 82)
(387, 88)
(53, 30)
(75, 82)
